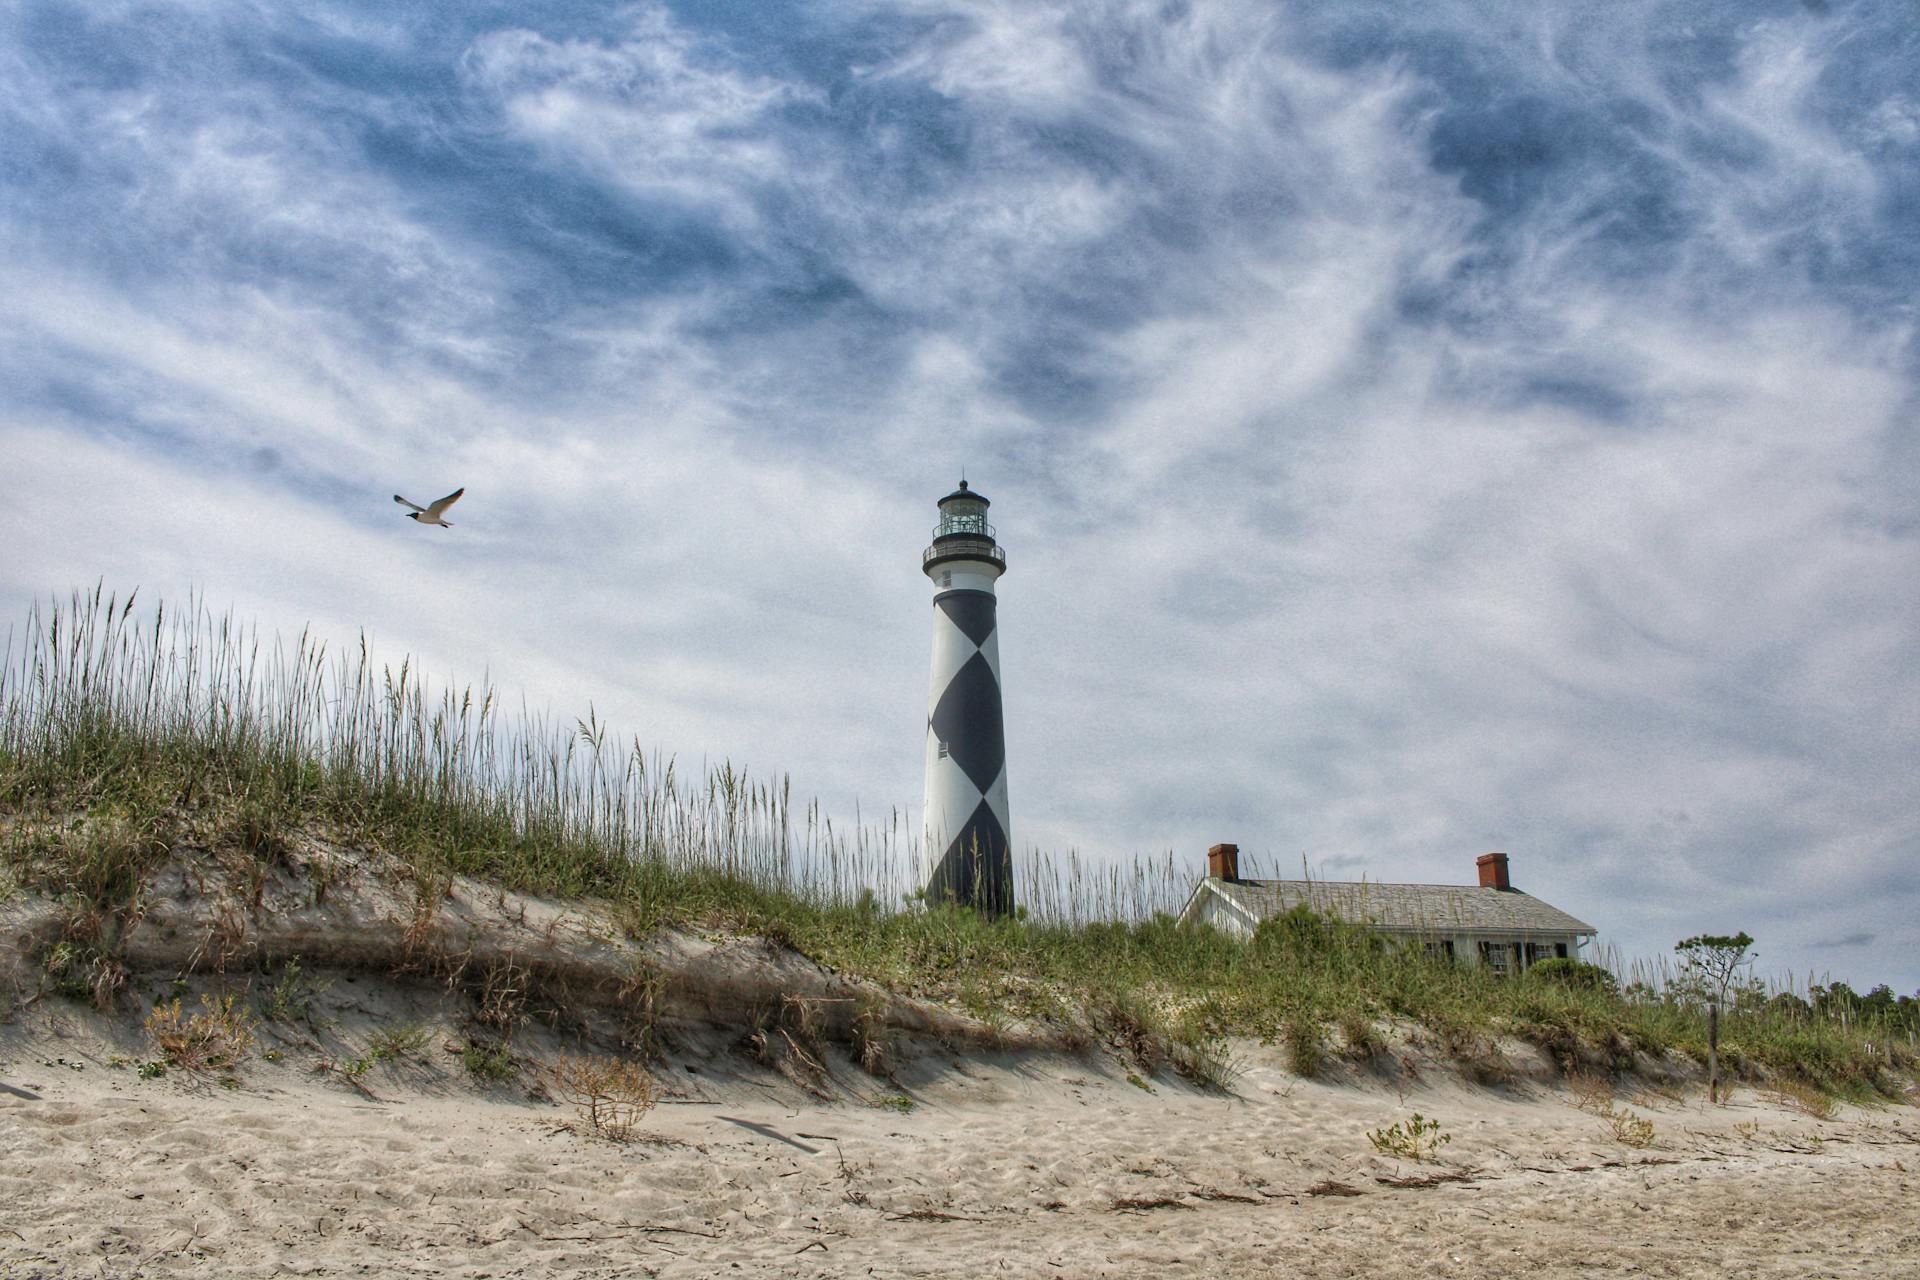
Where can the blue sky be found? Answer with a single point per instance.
(1415, 430)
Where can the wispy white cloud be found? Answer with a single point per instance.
(1413, 432)
(646, 114)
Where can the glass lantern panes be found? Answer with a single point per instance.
(964, 515)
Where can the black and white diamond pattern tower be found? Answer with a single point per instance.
(969, 857)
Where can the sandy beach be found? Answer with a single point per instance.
(1136, 639)
(1017, 1165)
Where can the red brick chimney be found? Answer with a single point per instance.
(1493, 871)
(1223, 862)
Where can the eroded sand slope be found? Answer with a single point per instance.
(1042, 1165)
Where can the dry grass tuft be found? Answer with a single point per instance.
(1132, 1028)
(1363, 1040)
(1804, 1098)
(641, 996)
(81, 971)
(1591, 1094)
(610, 1094)
(216, 1039)
(1474, 1050)
(1659, 1093)
(1489, 1065)
(1628, 1129)
(872, 1043)
(780, 1049)
(501, 999)
(1207, 1061)
(803, 1015)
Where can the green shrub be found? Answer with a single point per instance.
(488, 1063)
(394, 1043)
(1416, 1139)
(1303, 933)
(1575, 975)
(1306, 1044)
(290, 999)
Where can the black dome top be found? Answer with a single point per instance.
(964, 492)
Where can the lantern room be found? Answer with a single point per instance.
(963, 532)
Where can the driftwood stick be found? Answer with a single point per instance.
(1713, 1052)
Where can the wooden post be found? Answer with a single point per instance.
(1713, 1052)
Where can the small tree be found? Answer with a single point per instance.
(1713, 961)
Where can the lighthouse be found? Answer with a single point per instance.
(968, 847)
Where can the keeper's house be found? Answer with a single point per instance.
(1491, 923)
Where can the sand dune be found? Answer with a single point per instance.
(979, 1150)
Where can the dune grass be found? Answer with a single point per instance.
(124, 735)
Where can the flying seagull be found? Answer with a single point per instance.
(431, 514)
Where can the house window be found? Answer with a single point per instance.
(946, 579)
(1560, 950)
(1497, 956)
(943, 751)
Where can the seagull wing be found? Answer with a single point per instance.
(410, 505)
(441, 504)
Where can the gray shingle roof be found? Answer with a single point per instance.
(1437, 907)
